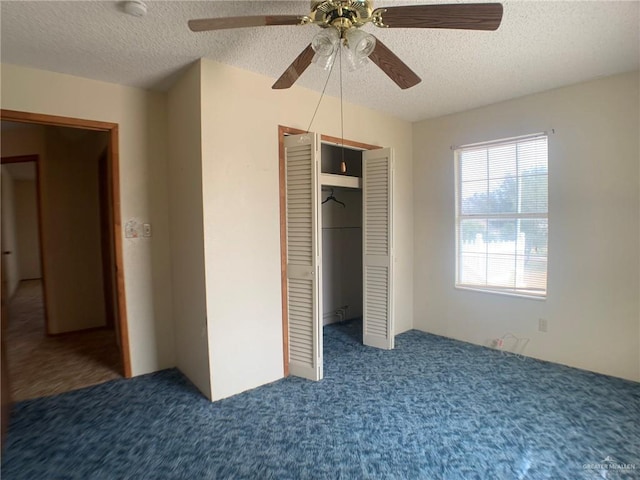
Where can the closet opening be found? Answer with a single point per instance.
(341, 223)
(317, 173)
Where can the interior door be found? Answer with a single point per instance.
(304, 294)
(377, 183)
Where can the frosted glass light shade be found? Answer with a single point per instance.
(359, 46)
(324, 61)
(360, 42)
(326, 42)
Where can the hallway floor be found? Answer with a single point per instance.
(40, 365)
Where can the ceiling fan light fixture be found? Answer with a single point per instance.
(324, 61)
(360, 43)
(358, 46)
(341, 20)
(354, 62)
(326, 42)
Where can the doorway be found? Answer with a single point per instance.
(105, 217)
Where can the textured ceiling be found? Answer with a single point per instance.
(539, 46)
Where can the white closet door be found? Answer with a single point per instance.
(304, 282)
(378, 330)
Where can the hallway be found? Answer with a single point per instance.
(41, 365)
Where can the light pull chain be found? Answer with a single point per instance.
(343, 165)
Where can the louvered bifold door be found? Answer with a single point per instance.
(377, 248)
(303, 264)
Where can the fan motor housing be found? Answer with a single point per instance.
(342, 14)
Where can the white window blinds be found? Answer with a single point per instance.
(502, 216)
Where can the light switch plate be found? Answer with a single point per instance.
(131, 229)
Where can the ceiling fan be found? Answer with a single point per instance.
(341, 20)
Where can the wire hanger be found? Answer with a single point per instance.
(331, 197)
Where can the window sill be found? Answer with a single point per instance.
(503, 293)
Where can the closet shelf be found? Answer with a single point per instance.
(344, 181)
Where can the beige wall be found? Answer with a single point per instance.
(240, 118)
(187, 246)
(141, 117)
(9, 240)
(26, 203)
(71, 229)
(592, 306)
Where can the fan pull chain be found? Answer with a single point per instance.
(343, 165)
(321, 96)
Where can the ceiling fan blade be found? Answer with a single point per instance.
(470, 16)
(395, 68)
(206, 24)
(296, 69)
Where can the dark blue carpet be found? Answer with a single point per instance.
(433, 408)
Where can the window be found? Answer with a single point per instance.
(502, 216)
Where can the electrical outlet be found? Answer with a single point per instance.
(146, 230)
(543, 325)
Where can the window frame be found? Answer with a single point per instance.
(459, 217)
